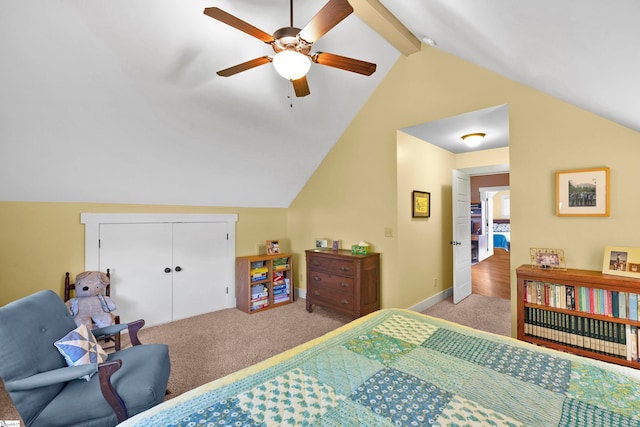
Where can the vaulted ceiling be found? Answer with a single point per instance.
(118, 101)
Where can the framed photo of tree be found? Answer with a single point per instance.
(582, 192)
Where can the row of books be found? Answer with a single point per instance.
(600, 336)
(623, 305)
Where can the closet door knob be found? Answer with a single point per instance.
(167, 270)
(178, 268)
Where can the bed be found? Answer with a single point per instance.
(398, 367)
(501, 234)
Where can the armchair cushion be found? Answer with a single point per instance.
(79, 347)
(141, 382)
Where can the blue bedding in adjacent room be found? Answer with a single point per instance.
(500, 241)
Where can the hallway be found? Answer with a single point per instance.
(492, 277)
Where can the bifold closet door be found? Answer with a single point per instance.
(200, 266)
(166, 271)
(138, 255)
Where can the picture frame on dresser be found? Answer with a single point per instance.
(582, 192)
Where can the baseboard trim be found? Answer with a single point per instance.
(421, 306)
(432, 300)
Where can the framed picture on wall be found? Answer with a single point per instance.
(421, 204)
(582, 192)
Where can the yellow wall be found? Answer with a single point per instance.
(424, 262)
(41, 241)
(353, 194)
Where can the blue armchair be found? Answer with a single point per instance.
(47, 392)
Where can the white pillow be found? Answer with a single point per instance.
(79, 347)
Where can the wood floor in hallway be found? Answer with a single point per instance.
(492, 276)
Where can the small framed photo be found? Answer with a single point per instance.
(421, 204)
(336, 245)
(273, 247)
(582, 192)
(323, 243)
(621, 261)
(547, 259)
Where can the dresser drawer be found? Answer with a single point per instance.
(336, 266)
(330, 297)
(331, 281)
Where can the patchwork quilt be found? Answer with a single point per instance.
(401, 368)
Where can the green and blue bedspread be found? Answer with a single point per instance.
(401, 368)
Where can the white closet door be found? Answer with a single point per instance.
(137, 255)
(201, 268)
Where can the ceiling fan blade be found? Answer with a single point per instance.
(244, 66)
(344, 63)
(301, 86)
(327, 18)
(238, 23)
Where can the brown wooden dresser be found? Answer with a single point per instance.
(340, 281)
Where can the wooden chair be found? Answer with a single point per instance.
(69, 292)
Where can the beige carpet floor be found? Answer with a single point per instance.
(477, 311)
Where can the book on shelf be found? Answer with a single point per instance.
(260, 302)
(633, 306)
(281, 262)
(280, 298)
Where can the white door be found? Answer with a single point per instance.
(137, 256)
(200, 265)
(461, 189)
(166, 271)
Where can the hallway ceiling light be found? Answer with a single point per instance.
(473, 139)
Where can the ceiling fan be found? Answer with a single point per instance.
(293, 45)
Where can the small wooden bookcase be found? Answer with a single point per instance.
(264, 282)
(583, 312)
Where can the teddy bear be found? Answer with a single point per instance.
(90, 307)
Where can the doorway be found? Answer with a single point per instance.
(490, 275)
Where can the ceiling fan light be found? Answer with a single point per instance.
(473, 139)
(291, 65)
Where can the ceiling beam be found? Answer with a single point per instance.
(378, 17)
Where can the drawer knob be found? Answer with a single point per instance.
(344, 284)
(315, 263)
(344, 268)
(316, 293)
(317, 278)
(344, 302)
